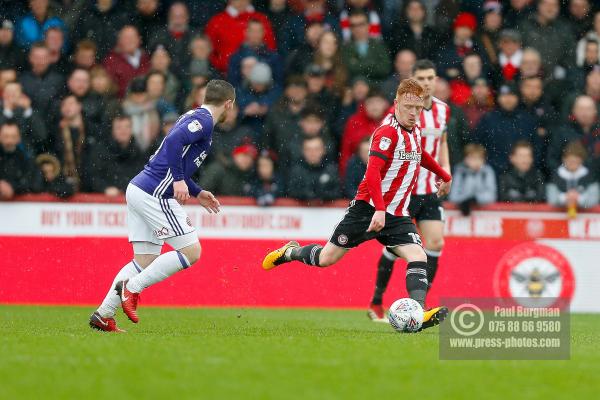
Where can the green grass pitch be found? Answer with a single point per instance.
(237, 353)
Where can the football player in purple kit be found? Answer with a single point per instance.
(154, 211)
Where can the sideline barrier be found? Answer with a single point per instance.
(57, 252)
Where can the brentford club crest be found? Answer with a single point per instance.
(533, 270)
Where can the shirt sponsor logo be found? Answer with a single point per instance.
(194, 126)
(409, 156)
(385, 143)
(200, 159)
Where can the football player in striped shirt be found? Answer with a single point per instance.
(425, 206)
(154, 211)
(380, 208)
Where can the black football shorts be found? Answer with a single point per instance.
(426, 207)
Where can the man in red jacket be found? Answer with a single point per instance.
(362, 124)
(226, 31)
(127, 60)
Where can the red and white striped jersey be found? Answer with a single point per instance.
(433, 124)
(401, 150)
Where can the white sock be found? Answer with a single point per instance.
(112, 300)
(160, 269)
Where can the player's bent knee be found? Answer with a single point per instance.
(435, 244)
(192, 252)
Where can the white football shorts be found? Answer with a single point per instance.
(157, 221)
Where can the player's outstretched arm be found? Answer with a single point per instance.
(209, 201)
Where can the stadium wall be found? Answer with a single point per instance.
(67, 253)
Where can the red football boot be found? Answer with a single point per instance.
(129, 301)
(376, 313)
(104, 324)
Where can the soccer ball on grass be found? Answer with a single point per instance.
(406, 315)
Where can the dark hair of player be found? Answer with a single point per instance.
(575, 149)
(423, 64)
(409, 86)
(521, 144)
(475, 149)
(218, 92)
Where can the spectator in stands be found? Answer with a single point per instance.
(450, 57)
(102, 85)
(364, 56)
(489, 31)
(314, 11)
(71, 144)
(549, 34)
(474, 181)
(472, 69)
(32, 26)
(176, 37)
(311, 124)
(518, 10)
(18, 173)
(54, 38)
(84, 55)
(511, 54)
(142, 111)
(531, 63)
(280, 15)
(356, 168)
(457, 129)
(16, 107)
(314, 178)
(148, 20)
(580, 17)
(196, 96)
(367, 8)
(41, 84)
(155, 88)
(591, 89)
(354, 96)
(200, 51)
(300, 56)
(79, 85)
(160, 61)
(11, 56)
(256, 99)
(127, 60)
(410, 31)
(318, 93)
(115, 163)
(329, 57)
(362, 124)
(284, 114)
(590, 59)
(572, 184)
(479, 103)
(267, 185)
(582, 51)
(498, 130)
(254, 46)
(583, 127)
(522, 182)
(100, 23)
(403, 65)
(53, 181)
(226, 31)
(231, 135)
(235, 178)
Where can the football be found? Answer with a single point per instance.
(406, 315)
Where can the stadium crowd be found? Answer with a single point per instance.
(88, 89)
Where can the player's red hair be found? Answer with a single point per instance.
(410, 86)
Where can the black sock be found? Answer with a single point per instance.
(309, 254)
(384, 273)
(432, 265)
(416, 281)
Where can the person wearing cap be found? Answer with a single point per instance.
(11, 56)
(33, 25)
(363, 55)
(319, 94)
(549, 34)
(510, 55)
(234, 178)
(499, 129)
(257, 97)
(463, 42)
(490, 29)
(254, 46)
